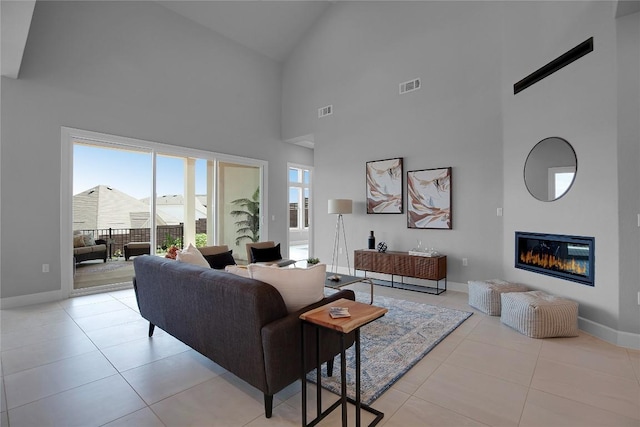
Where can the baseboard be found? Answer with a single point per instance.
(52, 296)
(619, 338)
(615, 337)
(31, 299)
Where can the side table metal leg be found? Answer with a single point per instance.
(358, 397)
(303, 377)
(343, 381)
(318, 376)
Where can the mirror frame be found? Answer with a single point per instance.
(524, 170)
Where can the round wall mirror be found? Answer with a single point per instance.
(550, 169)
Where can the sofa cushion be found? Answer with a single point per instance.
(78, 241)
(220, 261)
(299, 287)
(266, 254)
(88, 240)
(192, 255)
(83, 250)
(238, 270)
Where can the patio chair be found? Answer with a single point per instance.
(218, 257)
(266, 253)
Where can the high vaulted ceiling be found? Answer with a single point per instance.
(272, 28)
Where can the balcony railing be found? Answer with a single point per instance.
(166, 235)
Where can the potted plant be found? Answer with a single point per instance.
(313, 261)
(249, 224)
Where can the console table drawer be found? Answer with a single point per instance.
(431, 268)
(403, 265)
(382, 263)
(363, 260)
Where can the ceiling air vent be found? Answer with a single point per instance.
(325, 111)
(409, 86)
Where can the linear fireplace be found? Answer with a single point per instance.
(566, 257)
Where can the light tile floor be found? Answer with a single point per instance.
(87, 361)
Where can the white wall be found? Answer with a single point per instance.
(354, 58)
(629, 169)
(577, 103)
(469, 55)
(132, 69)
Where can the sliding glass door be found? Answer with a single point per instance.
(239, 203)
(110, 208)
(183, 194)
(124, 189)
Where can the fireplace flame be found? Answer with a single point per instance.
(551, 262)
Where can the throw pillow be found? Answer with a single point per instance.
(220, 261)
(266, 254)
(299, 287)
(78, 241)
(192, 255)
(89, 240)
(237, 270)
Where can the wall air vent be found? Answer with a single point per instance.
(325, 111)
(409, 86)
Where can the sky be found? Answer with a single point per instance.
(130, 172)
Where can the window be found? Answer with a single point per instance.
(299, 189)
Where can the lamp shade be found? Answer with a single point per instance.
(340, 206)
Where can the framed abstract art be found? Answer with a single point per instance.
(429, 198)
(384, 186)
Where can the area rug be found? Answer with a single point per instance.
(391, 345)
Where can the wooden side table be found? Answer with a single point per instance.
(361, 314)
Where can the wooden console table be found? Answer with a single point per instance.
(404, 265)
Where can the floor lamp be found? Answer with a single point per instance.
(340, 207)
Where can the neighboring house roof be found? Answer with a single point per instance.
(173, 205)
(103, 207)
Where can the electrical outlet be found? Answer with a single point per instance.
(465, 262)
(499, 212)
(340, 250)
(45, 268)
(638, 298)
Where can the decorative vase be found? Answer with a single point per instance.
(372, 241)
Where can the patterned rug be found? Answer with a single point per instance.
(392, 345)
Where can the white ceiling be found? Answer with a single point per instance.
(14, 24)
(272, 28)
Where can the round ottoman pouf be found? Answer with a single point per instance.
(485, 294)
(540, 315)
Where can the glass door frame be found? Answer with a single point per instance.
(70, 135)
(310, 227)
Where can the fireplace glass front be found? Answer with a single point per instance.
(566, 257)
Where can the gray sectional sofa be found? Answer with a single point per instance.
(241, 324)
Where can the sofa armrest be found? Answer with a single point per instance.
(281, 342)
